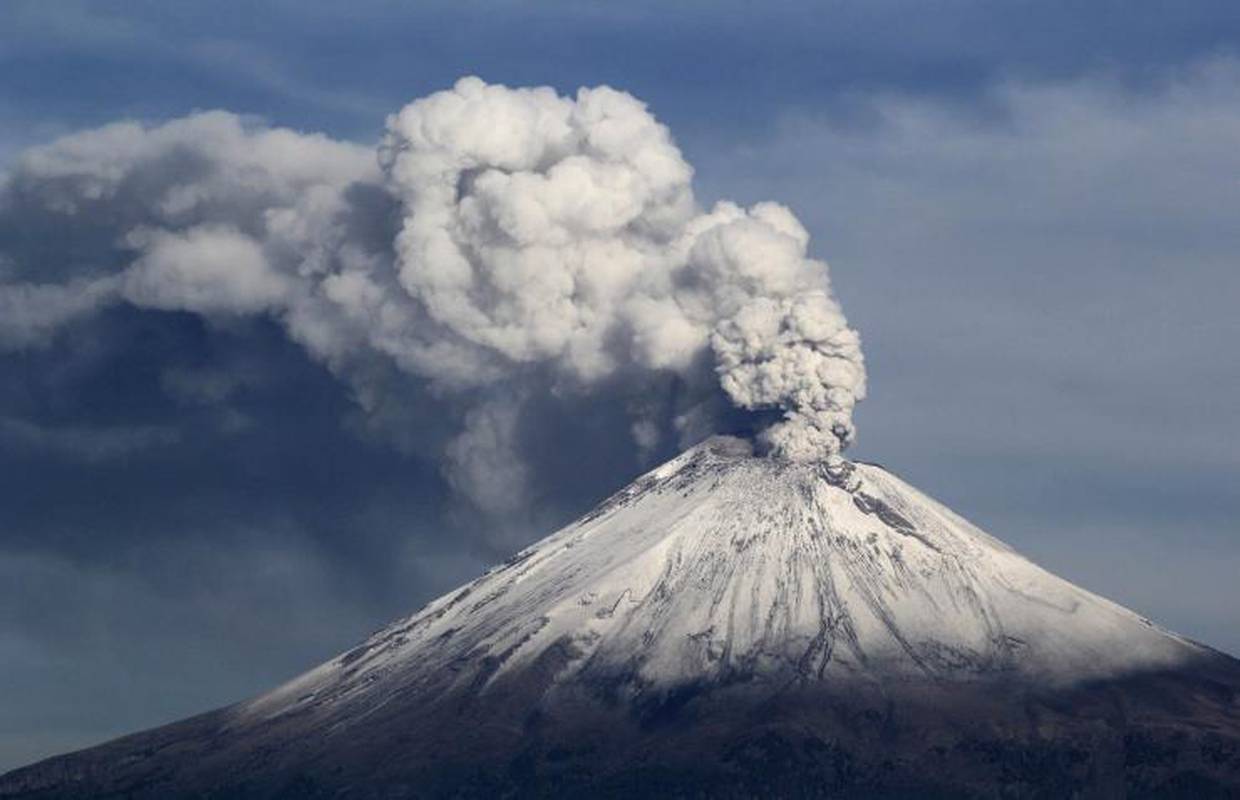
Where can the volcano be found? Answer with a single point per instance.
(727, 625)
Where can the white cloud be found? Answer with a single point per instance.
(206, 269)
(504, 241)
(564, 231)
(517, 241)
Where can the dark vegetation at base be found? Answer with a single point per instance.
(778, 778)
(771, 763)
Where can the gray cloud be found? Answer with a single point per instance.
(92, 444)
(31, 313)
(570, 249)
(534, 243)
(1088, 226)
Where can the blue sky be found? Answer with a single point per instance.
(1029, 212)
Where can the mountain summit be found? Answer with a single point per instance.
(726, 625)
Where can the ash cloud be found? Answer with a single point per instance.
(502, 244)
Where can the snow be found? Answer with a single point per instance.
(722, 565)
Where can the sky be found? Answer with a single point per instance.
(1028, 210)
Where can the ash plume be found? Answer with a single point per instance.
(505, 243)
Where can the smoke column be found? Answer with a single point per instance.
(503, 241)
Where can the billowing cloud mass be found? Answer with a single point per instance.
(504, 243)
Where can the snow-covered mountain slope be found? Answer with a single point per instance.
(719, 565)
(725, 626)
